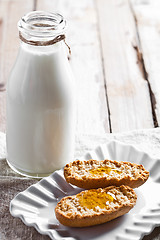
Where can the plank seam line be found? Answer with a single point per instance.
(34, 5)
(142, 67)
(103, 69)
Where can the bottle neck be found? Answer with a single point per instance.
(39, 28)
(49, 49)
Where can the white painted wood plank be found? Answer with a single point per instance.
(86, 62)
(81, 18)
(147, 14)
(128, 94)
(92, 110)
(10, 13)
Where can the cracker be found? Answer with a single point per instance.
(95, 174)
(95, 206)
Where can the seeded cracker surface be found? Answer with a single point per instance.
(95, 174)
(95, 206)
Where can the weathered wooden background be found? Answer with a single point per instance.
(116, 62)
(115, 59)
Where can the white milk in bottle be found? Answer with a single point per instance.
(40, 98)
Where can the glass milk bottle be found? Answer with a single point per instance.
(40, 98)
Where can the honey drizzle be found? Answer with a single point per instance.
(93, 198)
(103, 170)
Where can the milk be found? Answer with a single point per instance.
(40, 111)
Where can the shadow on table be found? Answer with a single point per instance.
(155, 235)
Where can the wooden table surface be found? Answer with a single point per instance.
(115, 59)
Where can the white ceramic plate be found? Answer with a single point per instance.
(35, 206)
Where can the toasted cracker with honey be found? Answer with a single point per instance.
(95, 206)
(99, 174)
